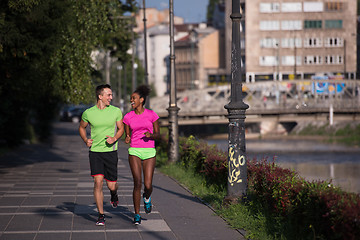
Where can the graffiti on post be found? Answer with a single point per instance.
(234, 167)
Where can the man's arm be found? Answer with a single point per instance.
(82, 132)
(119, 133)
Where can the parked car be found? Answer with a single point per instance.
(73, 113)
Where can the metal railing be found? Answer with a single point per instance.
(280, 97)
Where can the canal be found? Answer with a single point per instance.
(312, 159)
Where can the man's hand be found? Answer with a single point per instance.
(89, 142)
(110, 140)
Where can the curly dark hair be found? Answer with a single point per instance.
(143, 91)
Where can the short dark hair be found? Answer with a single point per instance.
(100, 89)
(143, 91)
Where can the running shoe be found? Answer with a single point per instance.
(114, 199)
(101, 220)
(147, 204)
(137, 219)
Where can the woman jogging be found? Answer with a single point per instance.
(141, 128)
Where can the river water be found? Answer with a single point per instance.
(312, 159)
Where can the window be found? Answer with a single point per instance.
(269, 7)
(269, 42)
(291, 7)
(335, 59)
(311, 60)
(313, 7)
(289, 42)
(329, 24)
(268, 61)
(334, 6)
(269, 25)
(333, 42)
(312, 24)
(312, 42)
(291, 25)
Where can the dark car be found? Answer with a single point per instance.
(73, 113)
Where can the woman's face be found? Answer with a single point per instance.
(135, 100)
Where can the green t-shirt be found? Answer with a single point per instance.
(102, 123)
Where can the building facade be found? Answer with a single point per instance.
(197, 57)
(297, 39)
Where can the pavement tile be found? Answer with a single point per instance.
(88, 235)
(4, 221)
(25, 223)
(53, 236)
(124, 235)
(62, 200)
(17, 236)
(151, 235)
(35, 200)
(11, 201)
(56, 222)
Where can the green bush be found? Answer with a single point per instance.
(293, 207)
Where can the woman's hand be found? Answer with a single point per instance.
(127, 139)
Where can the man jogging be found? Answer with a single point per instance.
(106, 128)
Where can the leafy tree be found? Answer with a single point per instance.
(210, 10)
(45, 48)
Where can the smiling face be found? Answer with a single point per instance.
(106, 96)
(135, 100)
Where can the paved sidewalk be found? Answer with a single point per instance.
(46, 192)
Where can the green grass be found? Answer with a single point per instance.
(347, 135)
(239, 216)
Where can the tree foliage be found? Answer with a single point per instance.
(210, 10)
(45, 57)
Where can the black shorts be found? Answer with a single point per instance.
(104, 163)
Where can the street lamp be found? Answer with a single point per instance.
(237, 174)
(173, 108)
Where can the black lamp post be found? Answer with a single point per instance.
(237, 174)
(173, 108)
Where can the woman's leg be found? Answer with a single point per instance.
(148, 169)
(135, 165)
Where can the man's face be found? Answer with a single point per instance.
(106, 96)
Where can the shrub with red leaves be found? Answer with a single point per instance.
(314, 209)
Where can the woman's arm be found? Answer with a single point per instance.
(127, 132)
(156, 133)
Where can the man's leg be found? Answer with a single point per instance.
(113, 186)
(98, 193)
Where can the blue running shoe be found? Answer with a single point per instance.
(137, 219)
(147, 204)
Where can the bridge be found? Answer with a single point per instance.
(270, 102)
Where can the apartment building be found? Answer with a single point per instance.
(197, 57)
(297, 39)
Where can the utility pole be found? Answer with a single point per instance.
(237, 174)
(119, 68)
(133, 79)
(344, 58)
(147, 103)
(173, 108)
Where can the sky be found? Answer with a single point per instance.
(191, 10)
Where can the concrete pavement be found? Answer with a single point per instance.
(46, 192)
